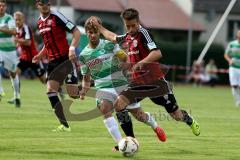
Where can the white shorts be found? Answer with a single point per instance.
(110, 94)
(234, 76)
(9, 60)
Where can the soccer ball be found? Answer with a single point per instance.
(128, 146)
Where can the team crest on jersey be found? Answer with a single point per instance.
(49, 22)
(135, 43)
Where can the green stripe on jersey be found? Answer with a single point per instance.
(233, 50)
(6, 40)
(5, 35)
(8, 49)
(103, 65)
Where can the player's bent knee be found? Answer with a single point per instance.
(121, 103)
(106, 108)
(52, 86)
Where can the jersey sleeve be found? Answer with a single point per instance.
(148, 40)
(27, 33)
(63, 21)
(120, 38)
(228, 49)
(11, 23)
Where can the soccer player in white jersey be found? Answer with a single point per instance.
(100, 61)
(8, 54)
(232, 55)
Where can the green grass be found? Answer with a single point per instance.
(25, 133)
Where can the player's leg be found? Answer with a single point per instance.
(38, 69)
(148, 119)
(110, 122)
(1, 87)
(57, 71)
(136, 93)
(170, 104)
(21, 67)
(71, 82)
(52, 93)
(2, 93)
(11, 61)
(16, 87)
(234, 77)
(122, 115)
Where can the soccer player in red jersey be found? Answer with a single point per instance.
(52, 27)
(26, 48)
(147, 74)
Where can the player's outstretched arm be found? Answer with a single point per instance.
(86, 83)
(76, 37)
(21, 41)
(39, 56)
(153, 56)
(8, 31)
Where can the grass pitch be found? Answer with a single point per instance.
(25, 133)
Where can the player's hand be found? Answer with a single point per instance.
(138, 66)
(230, 62)
(82, 94)
(36, 59)
(124, 66)
(72, 55)
(72, 90)
(94, 21)
(15, 40)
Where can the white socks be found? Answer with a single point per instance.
(16, 86)
(236, 95)
(112, 126)
(1, 88)
(151, 121)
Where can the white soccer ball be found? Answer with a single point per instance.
(128, 146)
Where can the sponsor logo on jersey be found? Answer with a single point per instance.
(135, 43)
(96, 61)
(44, 30)
(133, 52)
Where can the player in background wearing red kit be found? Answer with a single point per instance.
(53, 27)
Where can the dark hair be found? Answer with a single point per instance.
(3, 1)
(130, 14)
(88, 24)
(43, 1)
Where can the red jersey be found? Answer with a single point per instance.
(53, 31)
(138, 48)
(26, 52)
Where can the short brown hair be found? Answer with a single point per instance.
(3, 1)
(88, 24)
(130, 14)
